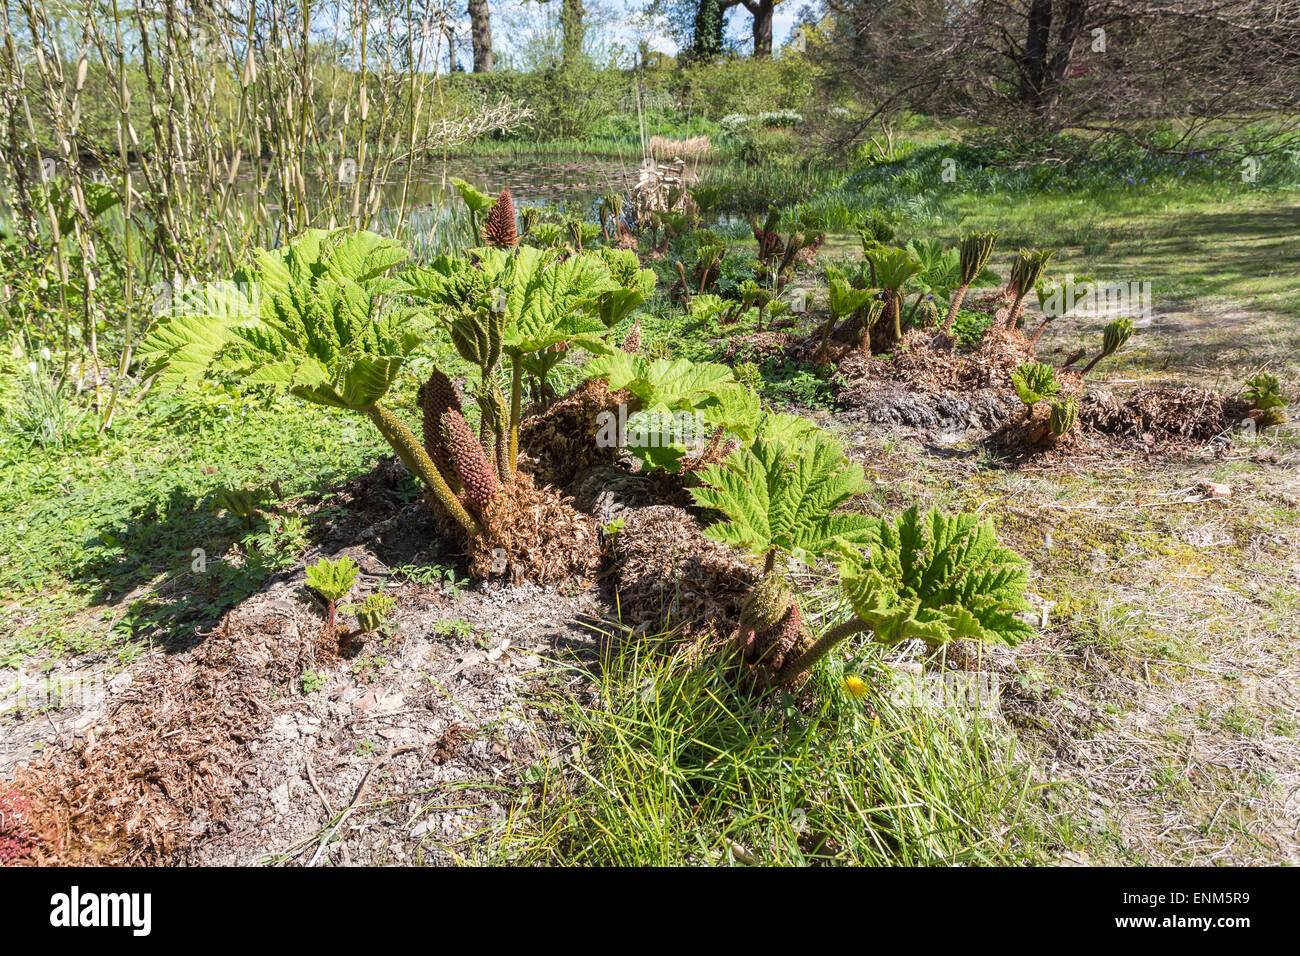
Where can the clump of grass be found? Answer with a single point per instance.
(678, 767)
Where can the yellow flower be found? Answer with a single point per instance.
(856, 686)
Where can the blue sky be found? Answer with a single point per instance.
(738, 22)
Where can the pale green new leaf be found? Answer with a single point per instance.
(936, 577)
(777, 497)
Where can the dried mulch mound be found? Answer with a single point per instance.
(1161, 415)
(758, 347)
(535, 534)
(160, 772)
(561, 442)
(668, 574)
(927, 368)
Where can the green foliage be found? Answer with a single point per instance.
(976, 248)
(476, 202)
(894, 267)
(241, 502)
(665, 389)
(332, 580)
(1028, 268)
(844, 298)
(1035, 381)
(1263, 391)
(1063, 415)
(317, 323)
(373, 611)
(1115, 335)
(937, 577)
(779, 496)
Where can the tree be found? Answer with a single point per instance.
(571, 14)
(480, 26)
(761, 11)
(710, 22)
(1115, 68)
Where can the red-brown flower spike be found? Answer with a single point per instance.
(468, 459)
(633, 341)
(438, 395)
(499, 229)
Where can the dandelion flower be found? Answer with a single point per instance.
(856, 686)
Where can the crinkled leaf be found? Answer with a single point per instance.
(937, 577)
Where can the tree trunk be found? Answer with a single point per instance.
(480, 25)
(1059, 66)
(762, 13)
(571, 14)
(1034, 62)
(710, 24)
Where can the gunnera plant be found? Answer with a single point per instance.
(499, 229)
(779, 498)
(934, 577)
(1114, 337)
(976, 249)
(1263, 393)
(327, 319)
(1036, 382)
(1026, 272)
(332, 580)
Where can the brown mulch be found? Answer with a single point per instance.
(560, 442)
(668, 574)
(535, 534)
(1163, 415)
(164, 765)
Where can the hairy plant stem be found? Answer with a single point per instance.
(953, 308)
(417, 460)
(516, 402)
(1095, 359)
(824, 645)
(1038, 332)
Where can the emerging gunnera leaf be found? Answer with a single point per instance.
(1034, 382)
(937, 577)
(778, 497)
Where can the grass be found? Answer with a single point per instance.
(677, 767)
(101, 541)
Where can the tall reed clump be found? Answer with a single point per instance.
(209, 134)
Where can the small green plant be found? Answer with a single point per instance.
(1263, 392)
(845, 300)
(243, 503)
(1026, 272)
(1113, 338)
(893, 268)
(1064, 413)
(372, 612)
(332, 580)
(615, 526)
(456, 627)
(311, 682)
(976, 249)
(1034, 382)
